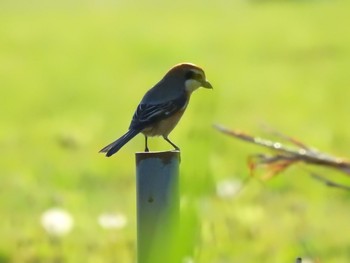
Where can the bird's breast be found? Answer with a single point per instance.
(165, 126)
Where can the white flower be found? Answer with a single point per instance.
(112, 221)
(57, 222)
(228, 188)
(307, 260)
(187, 259)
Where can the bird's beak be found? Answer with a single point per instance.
(206, 84)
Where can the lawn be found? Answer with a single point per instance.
(71, 75)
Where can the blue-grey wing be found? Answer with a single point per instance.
(147, 114)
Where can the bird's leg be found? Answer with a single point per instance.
(146, 146)
(167, 139)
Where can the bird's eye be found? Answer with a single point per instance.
(193, 75)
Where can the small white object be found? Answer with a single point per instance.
(112, 221)
(188, 259)
(57, 221)
(228, 188)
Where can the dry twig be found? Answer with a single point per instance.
(284, 156)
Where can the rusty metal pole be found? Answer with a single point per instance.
(157, 175)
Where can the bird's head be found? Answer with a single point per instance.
(192, 76)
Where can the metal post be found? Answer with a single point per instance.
(157, 206)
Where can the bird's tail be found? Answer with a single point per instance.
(116, 145)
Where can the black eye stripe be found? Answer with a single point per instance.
(189, 74)
(193, 75)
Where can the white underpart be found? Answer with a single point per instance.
(192, 84)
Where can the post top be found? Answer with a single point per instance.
(165, 156)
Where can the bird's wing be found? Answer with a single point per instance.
(147, 114)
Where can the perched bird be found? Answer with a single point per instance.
(163, 105)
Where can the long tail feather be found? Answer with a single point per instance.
(115, 146)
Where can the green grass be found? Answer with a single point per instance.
(71, 75)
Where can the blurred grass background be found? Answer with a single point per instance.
(72, 73)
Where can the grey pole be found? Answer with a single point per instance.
(157, 175)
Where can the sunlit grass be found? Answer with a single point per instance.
(71, 77)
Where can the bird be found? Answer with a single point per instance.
(162, 106)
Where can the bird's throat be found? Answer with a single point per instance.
(191, 85)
